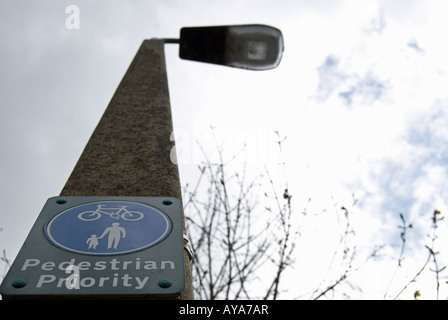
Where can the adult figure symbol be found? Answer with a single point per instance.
(115, 234)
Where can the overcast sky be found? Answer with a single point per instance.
(361, 94)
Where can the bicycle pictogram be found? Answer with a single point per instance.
(117, 213)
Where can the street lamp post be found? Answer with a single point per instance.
(129, 154)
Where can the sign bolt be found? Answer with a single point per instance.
(19, 283)
(165, 283)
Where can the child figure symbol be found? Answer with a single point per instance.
(92, 241)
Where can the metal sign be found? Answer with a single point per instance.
(94, 247)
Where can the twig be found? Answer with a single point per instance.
(7, 262)
(435, 219)
(404, 227)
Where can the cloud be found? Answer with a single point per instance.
(393, 153)
(413, 44)
(330, 77)
(351, 88)
(409, 176)
(364, 91)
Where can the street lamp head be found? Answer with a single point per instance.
(253, 47)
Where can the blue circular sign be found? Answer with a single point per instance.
(108, 228)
